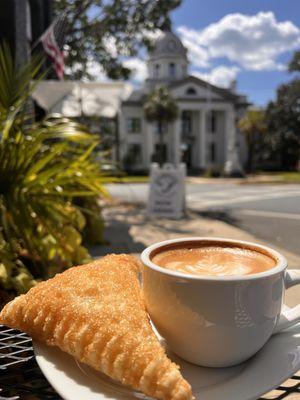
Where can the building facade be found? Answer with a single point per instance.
(204, 135)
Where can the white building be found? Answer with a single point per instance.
(204, 136)
(81, 99)
(96, 104)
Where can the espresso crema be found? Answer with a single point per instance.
(214, 261)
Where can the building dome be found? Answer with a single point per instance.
(168, 60)
(168, 45)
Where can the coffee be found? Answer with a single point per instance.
(214, 260)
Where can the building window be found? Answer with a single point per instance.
(212, 152)
(191, 90)
(186, 123)
(156, 70)
(212, 122)
(172, 70)
(133, 125)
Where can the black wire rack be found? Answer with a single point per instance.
(20, 376)
(22, 379)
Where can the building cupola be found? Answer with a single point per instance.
(168, 59)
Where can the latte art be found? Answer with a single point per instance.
(204, 268)
(214, 261)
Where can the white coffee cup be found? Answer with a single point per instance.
(217, 321)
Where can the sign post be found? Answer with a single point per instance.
(167, 191)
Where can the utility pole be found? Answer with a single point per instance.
(22, 31)
(14, 28)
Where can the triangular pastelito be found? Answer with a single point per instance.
(96, 313)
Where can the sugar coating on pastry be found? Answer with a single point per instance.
(96, 313)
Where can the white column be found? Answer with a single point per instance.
(202, 139)
(176, 141)
(232, 164)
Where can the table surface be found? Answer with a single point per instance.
(21, 378)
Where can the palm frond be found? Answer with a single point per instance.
(16, 85)
(160, 106)
(44, 168)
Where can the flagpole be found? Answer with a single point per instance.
(52, 23)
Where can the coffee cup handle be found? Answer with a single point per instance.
(292, 316)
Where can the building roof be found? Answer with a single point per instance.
(74, 98)
(138, 94)
(225, 93)
(168, 45)
(137, 97)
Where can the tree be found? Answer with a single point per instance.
(294, 65)
(283, 120)
(160, 107)
(253, 126)
(107, 31)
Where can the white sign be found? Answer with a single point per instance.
(167, 191)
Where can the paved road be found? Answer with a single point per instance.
(271, 212)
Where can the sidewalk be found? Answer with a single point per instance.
(129, 230)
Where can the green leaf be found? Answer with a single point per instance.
(47, 170)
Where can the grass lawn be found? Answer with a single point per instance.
(128, 179)
(259, 177)
(282, 177)
(135, 179)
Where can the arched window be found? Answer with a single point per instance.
(156, 70)
(172, 70)
(190, 90)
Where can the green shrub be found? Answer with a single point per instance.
(44, 167)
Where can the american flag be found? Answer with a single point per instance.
(52, 41)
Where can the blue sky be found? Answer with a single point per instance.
(251, 41)
(254, 46)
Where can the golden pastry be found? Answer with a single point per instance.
(96, 313)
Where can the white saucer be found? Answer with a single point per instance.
(277, 361)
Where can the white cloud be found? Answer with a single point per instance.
(247, 42)
(109, 43)
(253, 42)
(221, 76)
(138, 67)
(96, 71)
(93, 68)
(198, 55)
(151, 35)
